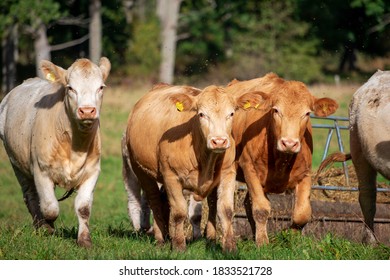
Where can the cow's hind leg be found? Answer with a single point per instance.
(31, 199)
(195, 217)
(211, 226)
(155, 199)
(367, 187)
(367, 197)
(137, 207)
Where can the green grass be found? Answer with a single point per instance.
(112, 234)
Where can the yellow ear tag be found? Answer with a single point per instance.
(247, 105)
(179, 106)
(50, 77)
(257, 106)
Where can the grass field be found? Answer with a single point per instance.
(112, 235)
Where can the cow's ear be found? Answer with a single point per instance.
(105, 67)
(254, 99)
(52, 72)
(183, 102)
(324, 107)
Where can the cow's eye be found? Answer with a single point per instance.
(201, 115)
(71, 89)
(231, 114)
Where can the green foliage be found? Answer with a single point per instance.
(277, 42)
(143, 55)
(28, 13)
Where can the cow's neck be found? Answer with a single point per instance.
(282, 162)
(209, 166)
(79, 141)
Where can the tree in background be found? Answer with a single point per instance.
(168, 14)
(348, 27)
(95, 31)
(26, 17)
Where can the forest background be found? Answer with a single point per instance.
(198, 42)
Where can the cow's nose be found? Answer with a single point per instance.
(87, 113)
(290, 145)
(219, 143)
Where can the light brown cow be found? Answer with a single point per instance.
(50, 130)
(369, 138)
(182, 138)
(274, 147)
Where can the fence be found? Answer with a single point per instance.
(335, 126)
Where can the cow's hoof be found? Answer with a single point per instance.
(179, 246)
(84, 241)
(46, 227)
(369, 237)
(229, 246)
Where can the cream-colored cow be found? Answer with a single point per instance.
(50, 130)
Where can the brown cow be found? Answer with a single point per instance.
(50, 130)
(274, 147)
(182, 138)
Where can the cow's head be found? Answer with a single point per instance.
(291, 104)
(215, 110)
(84, 84)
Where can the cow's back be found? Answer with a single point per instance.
(370, 119)
(155, 126)
(18, 118)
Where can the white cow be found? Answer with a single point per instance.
(370, 144)
(50, 130)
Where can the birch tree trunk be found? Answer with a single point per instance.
(95, 31)
(41, 47)
(168, 13)
(9, 46)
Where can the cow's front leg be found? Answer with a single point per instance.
(302, 208)
(178, 213)
(260, 207)
(83, 207)
(47, 200)
(225, 210)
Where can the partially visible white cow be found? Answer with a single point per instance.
(369, 137)
(50, 130)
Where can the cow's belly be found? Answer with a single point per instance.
(374, 132)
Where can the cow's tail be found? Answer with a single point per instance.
(335, 157)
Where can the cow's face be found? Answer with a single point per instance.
(292, 104)
(84, 83)
(215, 111)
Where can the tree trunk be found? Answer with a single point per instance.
(42, 47)
(168, 13)
(9, 58)
(95, 31)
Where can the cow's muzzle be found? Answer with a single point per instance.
(288, 145)
(218, 144)
(86, 113)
